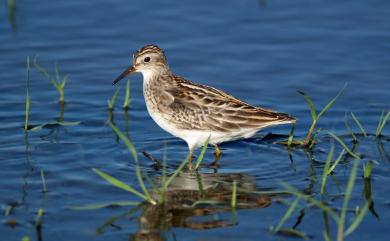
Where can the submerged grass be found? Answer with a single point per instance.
(27, 110)
(310, 137)
(57, 81)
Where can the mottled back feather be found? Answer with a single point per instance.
(195, 106)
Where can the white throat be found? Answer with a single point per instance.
(149, 75)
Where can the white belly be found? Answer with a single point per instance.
(196, 138)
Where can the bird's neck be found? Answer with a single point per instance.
(157, 78)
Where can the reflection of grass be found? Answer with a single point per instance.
(27, 94)
(57, 81)
(44, 187)
(343, 229)
(11, 6)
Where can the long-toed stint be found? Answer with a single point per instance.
(195, 112)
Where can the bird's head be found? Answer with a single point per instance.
(150, 59)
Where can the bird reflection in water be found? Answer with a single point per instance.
(195, 200)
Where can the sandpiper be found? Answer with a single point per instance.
(196, 112)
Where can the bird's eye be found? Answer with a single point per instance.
(146, 59)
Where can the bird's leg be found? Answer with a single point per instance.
(217, 155)
(218, 152)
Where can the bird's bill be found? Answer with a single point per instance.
(125, 73)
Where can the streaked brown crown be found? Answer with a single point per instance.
(150, 48)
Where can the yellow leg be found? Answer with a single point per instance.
(218, 152)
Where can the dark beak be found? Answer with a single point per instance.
(125, 73)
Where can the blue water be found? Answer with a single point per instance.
(259, 51)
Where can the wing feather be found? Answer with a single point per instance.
(202, 107)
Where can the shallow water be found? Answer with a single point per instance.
(260, 52)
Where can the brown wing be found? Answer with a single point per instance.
(201, 107)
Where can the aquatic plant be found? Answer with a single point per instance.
(234, 195)
(359, 124)
(356, 156)
(127, 100)
(343, 229)
(26, 238)
(145, 194)
(58, 82)
(112, 101)
(11, 6)
(310, 137)
(201, 155)
(381, 124)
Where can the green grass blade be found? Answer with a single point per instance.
(359, 124)
(126, 140)
(310, 199)
(133, 152)
(27, 110)
(175, 173)
(41, 69)
(326, 169)
(26, 238)
(347, 195)
(38, 217)
(234, 195)
(349, 128)
(119, 184)
(126, 103)
(358, 219)
(291, 135)
(382, 123)
(68, 123)
(344, 146)
(287, 215)
(201, 155)
(64, 81)
(111, 103)
(367, 168)
(331, 102)
(335, 163)
(310, 104)
(142, 184)
(326, 236)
